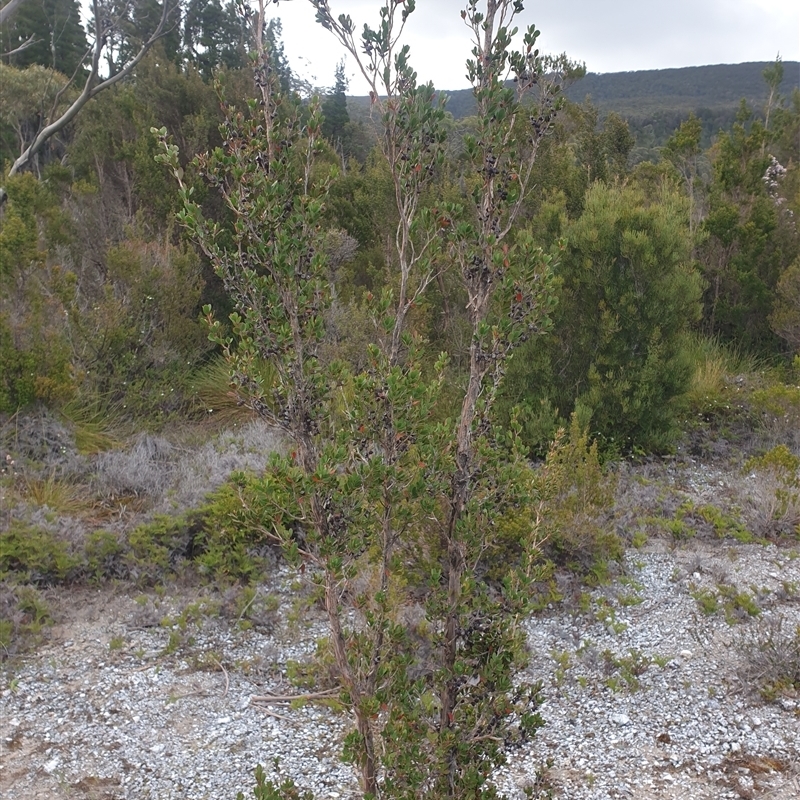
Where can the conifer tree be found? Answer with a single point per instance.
(213, 36)
(334, 109)
(54, 27)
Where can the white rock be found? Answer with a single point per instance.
(52, 765)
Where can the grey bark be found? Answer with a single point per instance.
(9, 9)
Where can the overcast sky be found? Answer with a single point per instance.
(609, 35)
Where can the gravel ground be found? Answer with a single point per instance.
(643, 696)
(688, 725)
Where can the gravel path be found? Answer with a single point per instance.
(643, 695)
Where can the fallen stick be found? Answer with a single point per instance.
(290, 698)
(227, 680)
(270, 712)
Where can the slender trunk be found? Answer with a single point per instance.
(369, 781)
(447, 312)
(456, 562)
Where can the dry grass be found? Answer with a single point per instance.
(41, 443)
(142, 470)
(770, 493)
(199, 470)
(770, 508)
(60, 496)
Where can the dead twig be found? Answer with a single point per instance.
(227, 680)
(290, 698)
(270, 712)
(199, 693)
(247, 606)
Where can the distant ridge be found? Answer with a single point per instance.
(713, 85)
(654, 101)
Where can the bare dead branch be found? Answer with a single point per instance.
(24, 46)
(290, 698)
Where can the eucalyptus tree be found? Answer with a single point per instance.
(683, 150)
(10, 9)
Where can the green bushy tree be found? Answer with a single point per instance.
(749, 242)
(34, 361)
(136, 321)
(108, 46)
(214, 36)
(27, 96)
(785, 317)
(683, 151)
(628, 297)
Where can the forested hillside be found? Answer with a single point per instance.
(453, 321)
(655, 102)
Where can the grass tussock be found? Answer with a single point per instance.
(716, 369)
(96, 427)
(216, 397)
(58, 495)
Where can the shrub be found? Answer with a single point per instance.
(104, 556)
(34, 555)
(265, 789)
(772, 493)
(577, 494)
(158, 548)
(17, 373)
(23, 613)
(142, 470)
(34, 355)
(772, 659)
(785, 317)
(234, 543)
(777, 408)
(40, 441)
(619, 350)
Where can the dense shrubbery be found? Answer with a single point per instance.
(81, 252)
